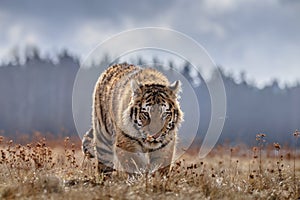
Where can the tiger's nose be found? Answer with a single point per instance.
(156, 123)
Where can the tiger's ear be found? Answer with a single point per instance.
(135, 86)
(175, 87)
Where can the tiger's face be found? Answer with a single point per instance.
(154, 110)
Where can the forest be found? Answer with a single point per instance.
(36, 95)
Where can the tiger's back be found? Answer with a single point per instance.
(119, 130)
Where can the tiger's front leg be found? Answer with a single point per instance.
(162, 159)
(130, 156)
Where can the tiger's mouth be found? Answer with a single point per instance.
(154, 137)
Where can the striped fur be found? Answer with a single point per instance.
(134, 121)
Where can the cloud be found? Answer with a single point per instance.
(220, 6)
(241, 35)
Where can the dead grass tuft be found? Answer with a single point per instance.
(35, 171)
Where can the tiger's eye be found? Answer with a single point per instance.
(165, 114)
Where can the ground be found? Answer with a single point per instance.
(37, 171)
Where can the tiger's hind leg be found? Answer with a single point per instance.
(87, 144)
(104, 150)
(90, 149)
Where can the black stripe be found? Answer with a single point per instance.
(103, 151)
(161, 95)
(171, 104)
(131, 112)
(105, 124)
(147, 92)
(148, 98)
(156, 85)
(135, 113)
(176, 112)
(101, 113)
(132, 138)
(102, 138)
(148, 104)
(172, 126)
(158, 148)
(105, 162)
(176, 115)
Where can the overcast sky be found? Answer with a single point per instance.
(261, 38)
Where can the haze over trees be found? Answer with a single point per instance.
(37, 96)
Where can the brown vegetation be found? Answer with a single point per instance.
(38, 171)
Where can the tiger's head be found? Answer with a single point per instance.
(154, 110)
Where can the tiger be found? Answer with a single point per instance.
(135, 119)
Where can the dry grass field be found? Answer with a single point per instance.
(38, 171)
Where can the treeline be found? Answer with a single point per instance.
(272, 110)
(37, 95)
